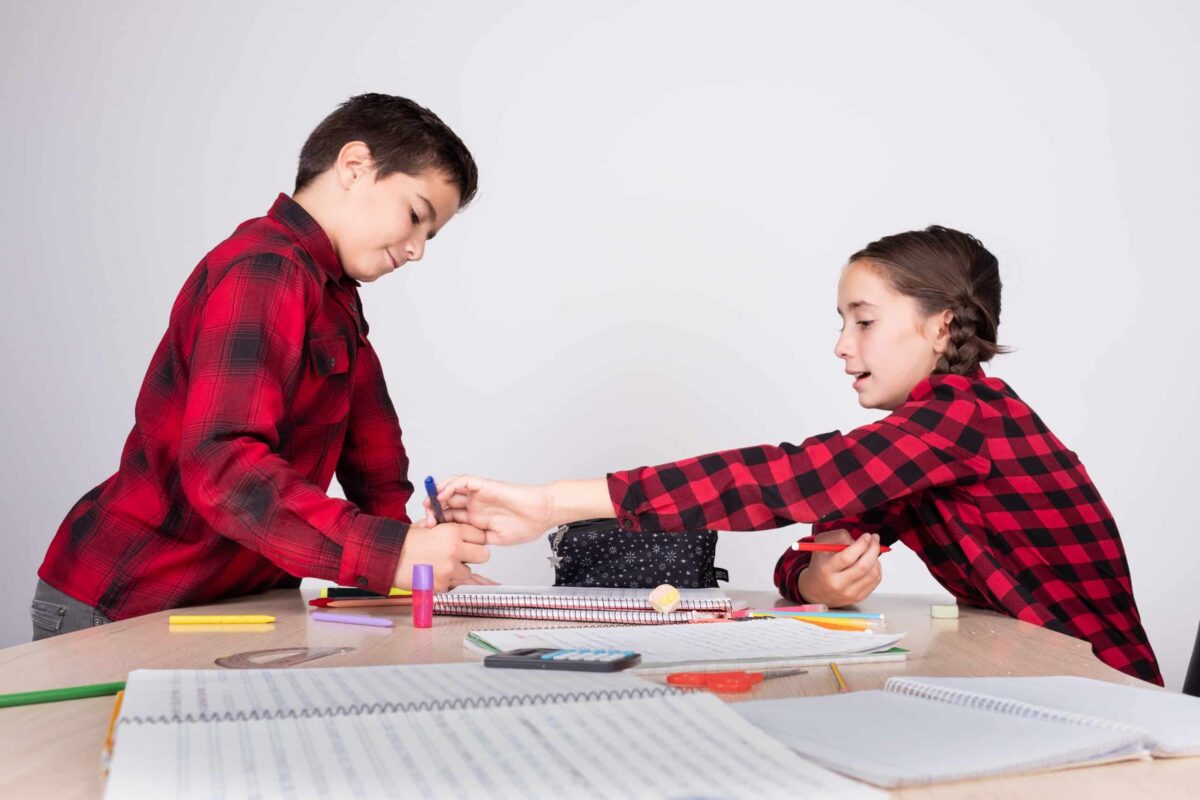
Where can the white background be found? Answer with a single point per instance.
(668, 192)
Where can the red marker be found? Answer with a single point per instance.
(829, 547)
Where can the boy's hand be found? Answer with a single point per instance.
(845, 578)
(508, 513)
(449, 548)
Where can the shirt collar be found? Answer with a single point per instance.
(925, 388)
(311, 237)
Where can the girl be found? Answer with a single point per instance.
(961, 470)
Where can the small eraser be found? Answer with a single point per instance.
(944, 612)
(664, 598)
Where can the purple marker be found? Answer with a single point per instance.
(422, 595)
(352, 619)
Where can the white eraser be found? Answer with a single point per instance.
(665, 598)
(944, 612)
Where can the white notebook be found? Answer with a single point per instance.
(758, 642)
(578, 604)
(926, 730)
(443, 731)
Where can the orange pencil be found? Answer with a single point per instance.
(829, 547)
(359, 602)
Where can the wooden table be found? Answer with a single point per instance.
(53, 750)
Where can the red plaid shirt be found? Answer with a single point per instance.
(964, 473)
(263, 385)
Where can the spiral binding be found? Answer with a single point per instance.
(616, 616)
(445, 601)
(358, 709)
(1017, 708)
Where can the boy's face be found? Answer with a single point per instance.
(888, 345)
(384, 224)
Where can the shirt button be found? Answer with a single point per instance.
(627, 524)
(362, 581)
(332, 362)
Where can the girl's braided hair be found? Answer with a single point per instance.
(946, 269)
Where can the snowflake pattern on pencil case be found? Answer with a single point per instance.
(600, 553)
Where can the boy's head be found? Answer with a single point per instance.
(915, 304)
(382, 175)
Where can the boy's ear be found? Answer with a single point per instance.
(939, 330)
(353, 164)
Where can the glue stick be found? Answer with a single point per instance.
(422, 595)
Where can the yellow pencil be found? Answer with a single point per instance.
(219, 619)
(837, 676)
(106, 754)
(836, 624)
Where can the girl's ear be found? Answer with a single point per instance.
(938, 330)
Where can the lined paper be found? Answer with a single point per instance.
(894, 740)
(668, 745)
(762, 640)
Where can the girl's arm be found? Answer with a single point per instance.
(923, 444)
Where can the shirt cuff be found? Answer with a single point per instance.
(371, 553)
(627, 498)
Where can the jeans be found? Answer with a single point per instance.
(54, 613)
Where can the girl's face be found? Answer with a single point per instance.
(888, 345)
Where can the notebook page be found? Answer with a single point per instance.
(599, 749)
(214, 693)
(894, 740)
(574, 597)
(665, 645)
(1172, 720)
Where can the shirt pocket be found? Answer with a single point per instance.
(324, 395)
(47, 617)
(329, 356)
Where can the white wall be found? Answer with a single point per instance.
(668, 191)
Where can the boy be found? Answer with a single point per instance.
(265, 384)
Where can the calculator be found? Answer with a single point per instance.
(551, 658)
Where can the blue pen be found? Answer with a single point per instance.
(431, 490)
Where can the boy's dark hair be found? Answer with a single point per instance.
(401, 135)
(941, 269)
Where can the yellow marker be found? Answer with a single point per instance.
(837, 676)
(219, 619)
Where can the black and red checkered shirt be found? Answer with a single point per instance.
(263, 385)
(964, 473)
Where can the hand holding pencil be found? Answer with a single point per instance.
(843, 577)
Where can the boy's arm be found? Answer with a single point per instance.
(248, 345)
(373, 468)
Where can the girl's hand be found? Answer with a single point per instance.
(508, 513)
(845, 578)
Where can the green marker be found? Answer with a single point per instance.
(54, 695)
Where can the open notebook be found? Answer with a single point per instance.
(926, 730)
(443, 731)
(578, 604)
(714, 646)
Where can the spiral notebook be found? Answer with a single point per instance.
(927, 730)
(578, 604)
(759, 643)
(443, 731)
